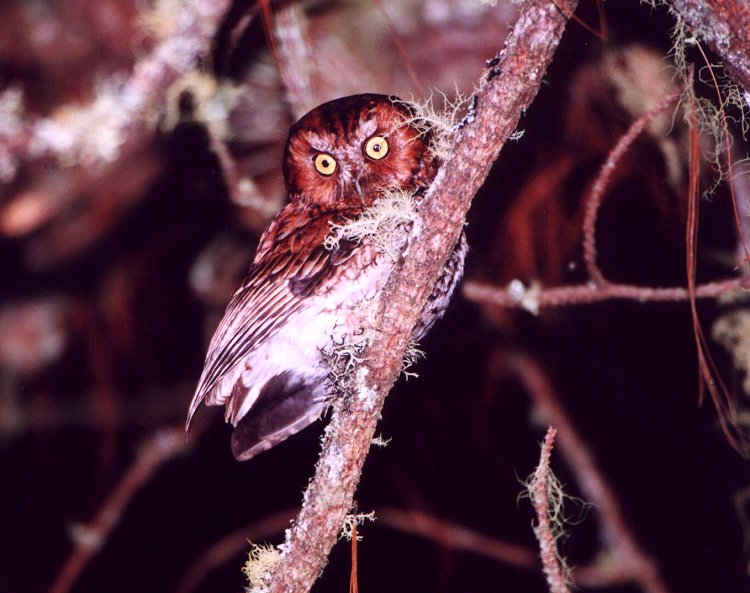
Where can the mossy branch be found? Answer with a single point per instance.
(725, 26)
(505, 92)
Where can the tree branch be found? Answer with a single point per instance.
(456, 537)
(163, 445)
(506, 91)
(625, 556)
(725, 26)
(603, 180)
(533, 298)
(94, 133)
(546, 497)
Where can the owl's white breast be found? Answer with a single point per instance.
(334, 314)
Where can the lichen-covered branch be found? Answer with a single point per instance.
(505, 92)
(536, 297)
(725, 26)
(94, 133)
(626, 559)
(546, 496)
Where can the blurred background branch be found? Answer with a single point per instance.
(140, 147)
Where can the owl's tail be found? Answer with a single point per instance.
(286, 405)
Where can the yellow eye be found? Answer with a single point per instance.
(376, 147)
(325, 164)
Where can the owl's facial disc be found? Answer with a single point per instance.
(347, 152)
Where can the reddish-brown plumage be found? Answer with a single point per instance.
(300, 297)
(344, 125)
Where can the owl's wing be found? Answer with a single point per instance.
(291, 263)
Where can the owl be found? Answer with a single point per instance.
(265, 363)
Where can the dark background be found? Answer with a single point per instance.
(463, 435)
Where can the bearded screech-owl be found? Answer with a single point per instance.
(265, 363)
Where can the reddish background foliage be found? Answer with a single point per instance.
(115, 273)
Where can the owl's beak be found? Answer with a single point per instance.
(358, 188)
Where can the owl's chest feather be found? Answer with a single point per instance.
(341, 308)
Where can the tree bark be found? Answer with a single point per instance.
(725, 26)
(506, 90)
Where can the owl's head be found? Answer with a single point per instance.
(348, 151)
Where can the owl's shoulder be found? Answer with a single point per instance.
(298, 228)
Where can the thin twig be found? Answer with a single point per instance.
(627, 557)
(453, 536)
(353, 576)
(163, 445)
(601, 34)
(541, 491)
(251, 11)
(594, 198)
(501, 100)
(401, 49)
(741, 184)
(727, 139)
(533, 298)
(285, 27)
(709, 376)
(456, 537)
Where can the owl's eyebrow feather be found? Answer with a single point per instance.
(319, 143)
(367, 128)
